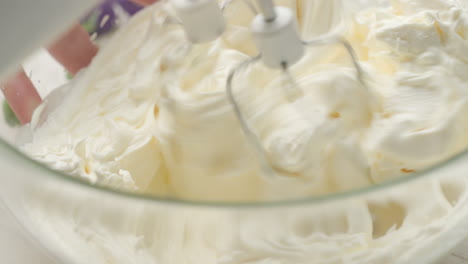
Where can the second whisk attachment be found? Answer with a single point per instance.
(280, 46)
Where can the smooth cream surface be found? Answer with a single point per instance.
(151, 112)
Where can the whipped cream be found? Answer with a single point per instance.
(151, 114)
(151, 111)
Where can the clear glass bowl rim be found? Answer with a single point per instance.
(44, 171)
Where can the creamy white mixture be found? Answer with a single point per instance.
(150, 114)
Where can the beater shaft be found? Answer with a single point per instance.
(268, 10)
(202, 20)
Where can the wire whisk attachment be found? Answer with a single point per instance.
(280, 46)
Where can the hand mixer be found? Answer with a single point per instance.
(275, 33)
(274, 30)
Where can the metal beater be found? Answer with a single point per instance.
(275, 34)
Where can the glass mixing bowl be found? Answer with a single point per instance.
(82, 223)
(78, 222)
